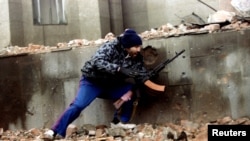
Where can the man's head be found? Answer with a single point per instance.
(131, 42)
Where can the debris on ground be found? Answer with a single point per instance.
(184, 131)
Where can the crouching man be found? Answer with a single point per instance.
(104, 76)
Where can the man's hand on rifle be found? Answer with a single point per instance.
(141, 78)
(131, 73)
(127, 72)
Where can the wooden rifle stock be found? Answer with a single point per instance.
(156, 70)
(154, 86)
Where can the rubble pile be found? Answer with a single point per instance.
(35, 48)
(184, 131)
(218, 22)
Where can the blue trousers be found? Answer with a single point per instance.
(87, 92)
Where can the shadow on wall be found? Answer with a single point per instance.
(13, 102)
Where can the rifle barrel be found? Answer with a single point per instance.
(162, 65)
(170, 60)
(177, 54)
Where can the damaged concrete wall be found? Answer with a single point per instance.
(209, 81)
(94, 19)
(152, 13)
(36, 88)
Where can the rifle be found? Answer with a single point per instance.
(150, 74)
(162, 65)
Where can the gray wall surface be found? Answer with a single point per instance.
(16, 22)
(146, 14)
(86, 19)
(116, 17)
(93, 19)
(4, 24)
(209, 81)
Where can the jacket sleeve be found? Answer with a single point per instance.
(103, 59)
